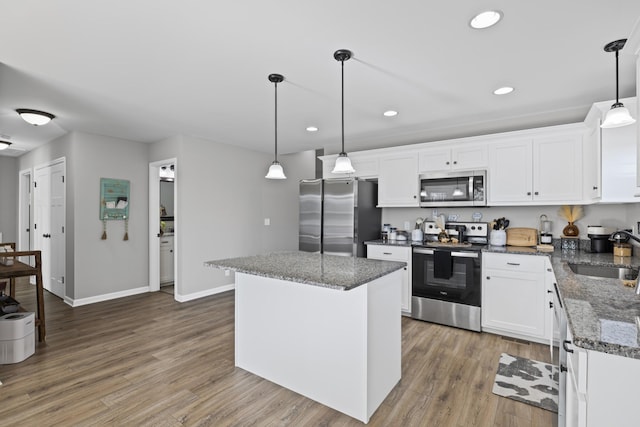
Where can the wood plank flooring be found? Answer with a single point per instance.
(148, 360)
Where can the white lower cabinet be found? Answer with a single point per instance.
(515, 297)
(396, 253)
(166, 259)
(601, 388)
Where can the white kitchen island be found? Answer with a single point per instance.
(324, 326)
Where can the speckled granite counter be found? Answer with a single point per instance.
(329, 271)
(603, 314)
(392, 242)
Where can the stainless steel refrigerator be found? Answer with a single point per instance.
(338, 215)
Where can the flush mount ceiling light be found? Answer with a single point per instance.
(485, 19)
(35, 117)
(343, 164)
(390, 113)
(503, 90)
(275, 170)
(4, 145)
(312, 129)
(618, 115)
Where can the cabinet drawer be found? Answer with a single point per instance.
(529, 263)
(387, 252)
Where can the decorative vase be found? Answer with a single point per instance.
(570, 230)
(498, 238)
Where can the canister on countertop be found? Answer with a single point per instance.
(599, 238)
(622, 249)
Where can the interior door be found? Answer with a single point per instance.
(49, 222)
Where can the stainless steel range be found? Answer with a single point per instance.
(446, 282)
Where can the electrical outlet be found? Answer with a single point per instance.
(227, 273)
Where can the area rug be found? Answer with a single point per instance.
(527, 381)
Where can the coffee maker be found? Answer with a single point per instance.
(599, 237)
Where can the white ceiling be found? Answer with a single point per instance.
(146, 70)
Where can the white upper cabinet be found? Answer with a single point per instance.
(460, 157)
(398, 182)
(591, 157)
(545, 168)
(510, 175)
(618, 154)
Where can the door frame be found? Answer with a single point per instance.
(154, 227)
(25, 213)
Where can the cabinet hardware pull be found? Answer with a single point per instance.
(513, 263)
(564, 345)
(488, 277)
(595, 187)
(549, 291)
(563, 368)
(455, 162)
(447, 162)
(550, 304)
(528, 193)
(536, 193)
(386, 253)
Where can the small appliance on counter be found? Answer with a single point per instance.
(599, 237)
(546, 238)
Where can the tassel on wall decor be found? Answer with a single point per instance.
(104, 229)
(126, 228)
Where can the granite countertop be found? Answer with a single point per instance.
(408, 243)
(329, 271)
(603, 314)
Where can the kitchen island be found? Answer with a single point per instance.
(327, 327)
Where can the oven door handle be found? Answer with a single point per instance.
(464, 254)
(423, 251)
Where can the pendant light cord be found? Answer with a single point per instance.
(276, 122)
(342, 62)
(617, 96)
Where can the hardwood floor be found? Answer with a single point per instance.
(149, 360)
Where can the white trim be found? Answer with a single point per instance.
(105, 297)
(202, 294)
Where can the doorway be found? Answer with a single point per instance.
(163, 270)
(24, 216)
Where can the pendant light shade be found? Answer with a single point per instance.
(275, 170)
(618, 115)
(35, 117)
(343, 164)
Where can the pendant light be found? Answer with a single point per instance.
(275, 170)
(343, 164)
(35, 117)
(618, 115)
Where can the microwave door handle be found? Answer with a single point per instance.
(470, 194)
(423, 251)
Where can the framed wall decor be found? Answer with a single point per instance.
(114, 199)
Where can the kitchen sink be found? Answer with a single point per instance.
(606, 271)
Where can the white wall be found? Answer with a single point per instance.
(614, 215)
(8, 198)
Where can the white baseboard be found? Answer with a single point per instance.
(202, 294)
(105, 297)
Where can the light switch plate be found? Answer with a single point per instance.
(267, 221)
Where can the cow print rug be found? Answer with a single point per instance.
(528, 381)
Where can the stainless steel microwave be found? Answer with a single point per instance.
(466, 188)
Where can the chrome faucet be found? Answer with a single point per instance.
(617, 236)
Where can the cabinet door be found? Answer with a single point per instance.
(398, 182)
(469, 157)
(166, 259)
(557, 174)
(592, 163)
(435, 160)
(397, 253)
(510, 172)
(514, 296)
(619, 169)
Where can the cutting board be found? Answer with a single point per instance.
(522, 236)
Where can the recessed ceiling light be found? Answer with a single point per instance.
(503, 90)
(485, 19)
(390, 113)
(312, 129)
